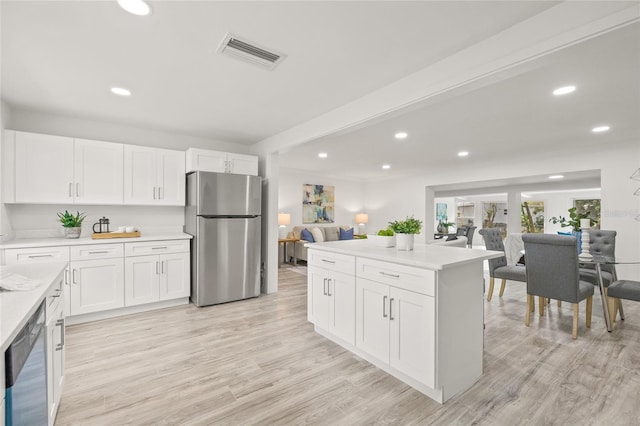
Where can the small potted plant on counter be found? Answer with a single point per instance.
(405, 231)
(72, 224)
(384, 238)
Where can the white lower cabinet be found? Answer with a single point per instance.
(96, 285)
(156, 277)
(55, 355)
(397, 327)
(331, 302)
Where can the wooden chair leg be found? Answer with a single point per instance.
(574, 334)
(559, 303)
(542, 301)
(502, 286)
(532, 305)
(530, 308)
(589, 309)
(490, 292)
(620, 310)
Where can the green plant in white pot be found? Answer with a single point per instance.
(405, 231)
(71, 223)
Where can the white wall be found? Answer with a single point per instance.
(395, 198)
(349, 196)
(29, 121)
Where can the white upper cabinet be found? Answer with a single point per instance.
(221, 162)
(43, 168)
(98, 168)
(154, 176)
(55, 169)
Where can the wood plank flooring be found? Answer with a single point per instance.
(258, 362)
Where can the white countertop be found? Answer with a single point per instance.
(51, 242)
(17, 306)
(428, 256)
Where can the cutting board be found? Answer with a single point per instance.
(105, 235)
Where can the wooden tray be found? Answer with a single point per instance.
(105, 235)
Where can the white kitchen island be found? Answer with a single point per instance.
(418, 315)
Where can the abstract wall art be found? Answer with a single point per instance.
(318, 203)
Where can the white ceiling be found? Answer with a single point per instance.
(62, 57)
(514, 117)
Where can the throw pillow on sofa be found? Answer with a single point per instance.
(318, 236)
(306, 235)
(331, 233)
(346, 234)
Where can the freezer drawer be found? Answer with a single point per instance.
(226, 260)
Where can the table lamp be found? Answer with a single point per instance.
(361, 220)
(284, 219)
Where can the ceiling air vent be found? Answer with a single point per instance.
(248, 51)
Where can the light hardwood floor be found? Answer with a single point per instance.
(259, 362)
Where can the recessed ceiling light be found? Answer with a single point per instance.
(564, 90)
(323, 155)
(556, 177)
(120, 91)
(401, 135)
(136, 7)
(463, 153)
(386, 166)
(600, 129)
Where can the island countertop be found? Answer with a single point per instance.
(17, 306)
(428, 256)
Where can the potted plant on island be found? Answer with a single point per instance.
(384, 238)
(444, 226)
(72, 224)
(405, 231)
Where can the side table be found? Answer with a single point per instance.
(284, 242)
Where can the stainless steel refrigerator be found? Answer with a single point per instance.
(223, 214)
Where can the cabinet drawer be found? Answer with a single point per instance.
(36, 255)
(156, 247)
(332, 261)
(97, 251)
(55, 294)
(409, 278)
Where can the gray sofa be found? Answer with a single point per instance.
(329, 233)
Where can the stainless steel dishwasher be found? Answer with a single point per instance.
(26, 375)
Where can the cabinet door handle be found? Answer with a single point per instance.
(159, 248)
(66, 276)
(390, 307)
(384, 306)
(77, 189)
(99, 252)
(328, 261)
(329, 287)
(389, 275)
(70, 189)
(157, 266)
(162, 267)
(160, 193)
(324, 287)
(35, 256)
(154, 192)
(60, 323)
(74, 276)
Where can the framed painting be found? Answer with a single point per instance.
(318, 203)
(441, 212)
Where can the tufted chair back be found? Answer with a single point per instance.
(493, 241)
(602, 242)
(469, 235)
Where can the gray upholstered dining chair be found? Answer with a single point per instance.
(621, 289)
(498, 267)
(469, 235)
(603, 243)
(552, 272)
